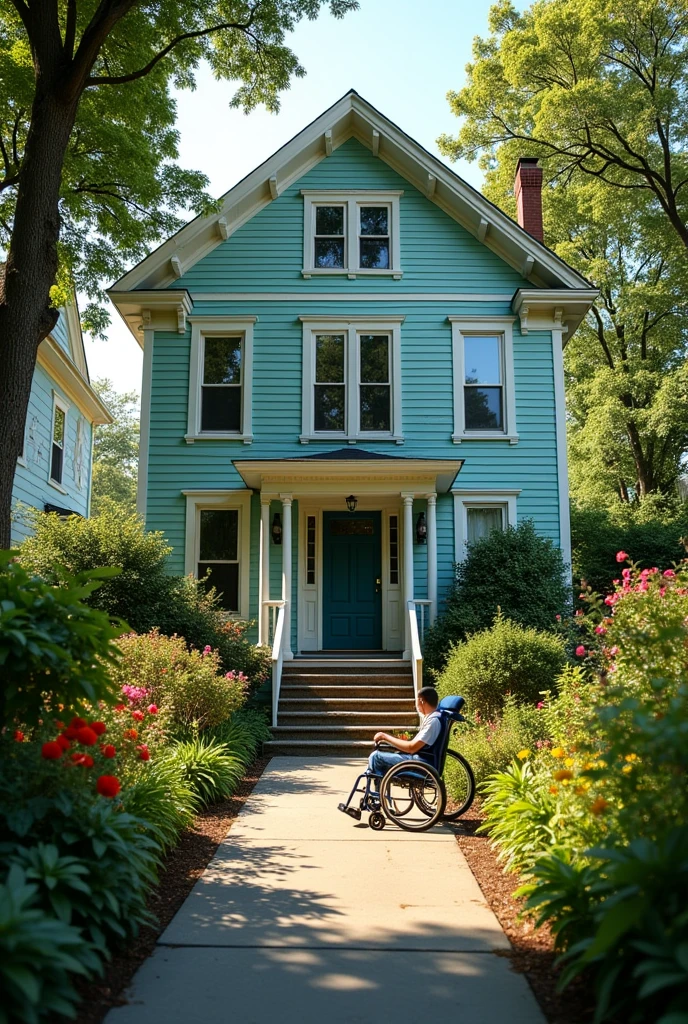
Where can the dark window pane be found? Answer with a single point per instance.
(482, 360)
(483, 408)
(221, 409)
(374, 358)
(329, 252)
(219, 534)
(374, 220)
(329, 359)
(329, 407)
(375, 407)
(351, 527)
(329, 220)
(374, 254)
(56, 464)
(222, 363)
(225, 579)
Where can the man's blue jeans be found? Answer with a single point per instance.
(380, 761)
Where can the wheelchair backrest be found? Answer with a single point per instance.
(448, 710)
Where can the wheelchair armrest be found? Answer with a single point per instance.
(386, 746)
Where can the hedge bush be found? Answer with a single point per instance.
(490, 745)
(516, 570)
(506, 659)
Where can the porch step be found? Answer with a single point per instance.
(388, 691)
(372, 721)
(344, 666)
(333, 733)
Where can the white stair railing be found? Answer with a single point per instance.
(277, 631)
(416, 653)
(422, 606)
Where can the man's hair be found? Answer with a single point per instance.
(429, 695)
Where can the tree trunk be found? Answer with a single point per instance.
(25, 314)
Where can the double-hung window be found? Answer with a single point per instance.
(484, 391)
(58, 440)
(478, 513)
(220, 379)
(352, 232)
(351, 379)
(218, 544)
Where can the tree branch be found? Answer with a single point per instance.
(601, 337)
(70, 29)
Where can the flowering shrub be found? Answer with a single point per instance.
(490, 745)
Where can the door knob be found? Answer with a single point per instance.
(378, 586)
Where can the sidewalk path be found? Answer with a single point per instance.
(306, 917)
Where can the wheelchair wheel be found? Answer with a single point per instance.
(462, 784)
(415, 788)
(376, 821)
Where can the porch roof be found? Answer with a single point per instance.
(369, 472)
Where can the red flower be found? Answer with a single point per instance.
(18, 736)
(70, 733)
(109, 750)
(144, 752)
(621, 556)
(120, 707)
(51, 751)
(138, 716)
(63, 742)
(86, 736)
(131, 734)
(152, 709)
(85, 760)
(580, 651)
(77, 723)
(99, 728)
(108, 785)
(58, 724)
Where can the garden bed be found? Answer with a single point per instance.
(182, 868)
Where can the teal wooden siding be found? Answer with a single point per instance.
(438, 256)
(31, 483)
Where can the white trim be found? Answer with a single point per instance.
(487, 325)
(350, 327)
(58, 487)
(468, 498)
(240, 500)
(209, 326)
(562, 459)
(351, 297)
(145, 418)
(352, 200)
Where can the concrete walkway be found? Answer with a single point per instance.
(306, 917)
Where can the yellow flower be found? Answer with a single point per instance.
(631, 757)
(627, 768)
(554, 790)
(599, 805)
(569, 762)
(582, 789)
(558, 752)
(523, 754)
(563, 775)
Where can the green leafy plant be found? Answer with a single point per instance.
(490, 745)
(60, 880)
(53, 646)
(211, 769)
(164, 797)
(507, 658)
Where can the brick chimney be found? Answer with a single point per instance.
(528, 191)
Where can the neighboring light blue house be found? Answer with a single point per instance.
(54, 471)
(356, 328)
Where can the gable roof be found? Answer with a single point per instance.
(352, 117)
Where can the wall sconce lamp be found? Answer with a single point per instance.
(351, 503)
(421, 529)
(276, 530)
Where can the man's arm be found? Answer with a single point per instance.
(405, 746)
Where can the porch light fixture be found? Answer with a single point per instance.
(276, 528)
(421, 529)
(351, 503)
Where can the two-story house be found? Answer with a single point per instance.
(54, 471)
(351, 371)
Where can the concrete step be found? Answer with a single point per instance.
(369, 720)
(324, 706)
(345, 667)
(359, 749)
(336, 733)
(350, 679)
(385, 691)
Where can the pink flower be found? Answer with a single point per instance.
(668, 574)
(611, 599)
(558, 618)
(152, 709)
(207, 649)
(541, 703)
(600, 630)
(581, 651)
(626, 573)
(613, 651)
(621, 556)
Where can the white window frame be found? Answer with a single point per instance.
(487, 326)
(198, 501)
(203, 327)
(58, 403)
(350, 328)
(352, 200)
(465, 499)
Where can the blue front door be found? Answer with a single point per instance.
(352, 599)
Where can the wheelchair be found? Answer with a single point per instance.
(412, 794)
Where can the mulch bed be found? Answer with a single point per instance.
(532, 951)
(181, 869)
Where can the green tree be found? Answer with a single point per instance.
(88, 149)
(115, 449)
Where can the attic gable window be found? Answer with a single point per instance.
(220, 379)
(351, 232)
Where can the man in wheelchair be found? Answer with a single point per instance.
(404, 782)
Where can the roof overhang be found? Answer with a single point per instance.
(552, 309)
(52, 357)
(350, 117)
(322, 476)
(162, 310)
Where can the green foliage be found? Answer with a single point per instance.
(143, 593)
(515, 570)
(115, 450)
(38, 955)
(163, 796)
(244, 732)
(506, 659)
(491, 746)
(650, 529)
(209, 767)
(53, 646)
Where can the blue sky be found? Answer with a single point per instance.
(401, 55)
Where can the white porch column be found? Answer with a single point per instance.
(286, 573)
(264, 613)
(432, 555)
(408, 566)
